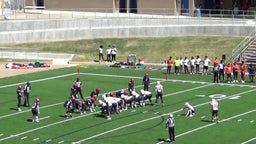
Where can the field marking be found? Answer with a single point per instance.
(23, 138)
(39, 80)
(138, 122)
(205, 126)
(45, 126)
(44, 118)
(250, 140)
(209, 84)
(35, 139)
(4, 116)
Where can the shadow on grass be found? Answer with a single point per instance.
(14, 109)
(99, 115)
(163, 140)
(29, 120)
(209, 121)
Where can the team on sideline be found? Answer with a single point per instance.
(221, 72)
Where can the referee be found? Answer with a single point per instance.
(170, 123)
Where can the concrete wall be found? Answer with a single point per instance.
(66, 29)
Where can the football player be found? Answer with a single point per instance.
(68, 107)
(159, 92)
(131, 86)
(137, 98)
(35, 110)
(73, 90)
(146, 81)
(146, 95)
(95, 93)
(19, 96)
(190, 110)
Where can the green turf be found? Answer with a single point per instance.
(153, 50)
(142, 125)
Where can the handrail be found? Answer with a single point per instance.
(243, 45)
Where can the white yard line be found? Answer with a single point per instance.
(250, 140)
(138, 122)
(44, 118)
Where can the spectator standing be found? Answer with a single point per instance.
(181, 64)
(197, 62)
(235, 69)
(185, 63)
(113, 53)
(169, 65)
(19, 96)
(177, 66)
(221, 71)
(251, 70)
(243, 70)
(192, 65)
(228, 70)
(108, 53)
(170, 124)
(206, 65)
(101, 54)
(27, 89)
(216, 70)
(146, 82)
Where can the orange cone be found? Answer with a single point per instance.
(78, 70)
(166, 76)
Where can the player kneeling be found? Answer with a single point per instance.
(190, 110)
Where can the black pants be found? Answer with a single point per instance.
(216, 76)
(26, 102)
(19, 101)
(171, 134)
(79, 90)
(197, 69)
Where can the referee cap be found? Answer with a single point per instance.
(171, 115)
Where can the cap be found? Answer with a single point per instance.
(171, 115)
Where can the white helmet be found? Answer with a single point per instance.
(171, 115)
(213, 100)
(158, 82)
(186, 103)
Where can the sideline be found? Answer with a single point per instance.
(154, 118)
(45, 126)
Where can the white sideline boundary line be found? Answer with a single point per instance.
(45, 126)
(138, 122)
(250, 140)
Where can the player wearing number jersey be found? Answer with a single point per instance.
(215, 110)
(159, 92)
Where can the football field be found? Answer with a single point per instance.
(141, 125)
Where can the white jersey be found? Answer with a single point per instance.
(215, 105)
(143, 92)
(198, 60)
(186, 62)
(109, 51)
(192, 62)
(159, 88)
(190, 107)
(135, 94)
(181, 62)
(100, 50)
(207, 62)
(114, 51)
